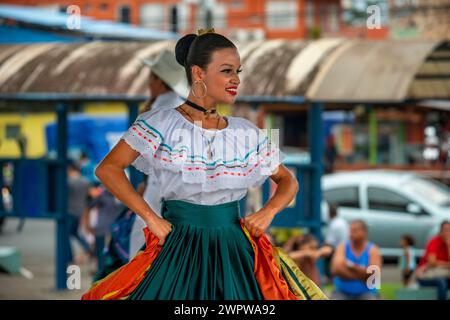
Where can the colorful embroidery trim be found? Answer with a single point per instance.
(142, 130)
(166, 148)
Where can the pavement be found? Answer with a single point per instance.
(36, 244)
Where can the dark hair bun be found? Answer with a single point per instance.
(182, 47)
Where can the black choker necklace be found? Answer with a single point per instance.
(196, 106)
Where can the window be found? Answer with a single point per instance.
(174, 19)
(334, 18)
(209, 18)
(281, 14)
(12, 131)
(152, 16)
(237, 4)
(386, 200)
(125, 14)
(213, 17)
(104, 6)
(309, 14)
(432, 190)
(343, 197)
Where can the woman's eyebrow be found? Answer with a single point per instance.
(230, 65)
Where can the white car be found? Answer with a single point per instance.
(392, 203)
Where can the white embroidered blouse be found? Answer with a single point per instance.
(179, 151)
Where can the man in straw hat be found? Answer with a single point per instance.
(167, 82)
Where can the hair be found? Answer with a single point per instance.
(409, 239)
(162, 81)
(361, 223)
(443, 223)
(83, 154)
(302, 241)
(73, 166)
(192, 50)
(333, 209)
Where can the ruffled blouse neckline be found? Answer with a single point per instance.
(179, 115)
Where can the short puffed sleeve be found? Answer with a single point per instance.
(145, 136)
(268, 151)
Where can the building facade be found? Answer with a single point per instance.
(239, 19)
(424, 19)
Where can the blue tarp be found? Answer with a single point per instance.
(94, 135)
(23, 35)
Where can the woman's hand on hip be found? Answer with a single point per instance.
(160, 228)
(258, 222)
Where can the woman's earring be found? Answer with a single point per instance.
(205, 89)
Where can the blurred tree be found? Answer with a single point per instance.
(314, 32)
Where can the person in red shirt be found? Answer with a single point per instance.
(434, 267)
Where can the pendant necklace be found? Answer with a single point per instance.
(210, 153)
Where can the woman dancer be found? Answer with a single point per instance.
(201, 248)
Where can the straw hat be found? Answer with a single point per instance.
(166, 67)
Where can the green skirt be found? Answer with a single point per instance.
(206, 256)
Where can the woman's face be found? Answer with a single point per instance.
(222, 76)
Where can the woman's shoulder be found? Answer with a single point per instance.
(158, 114)
(243, 123)
(159, 120)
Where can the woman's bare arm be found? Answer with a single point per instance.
(287, 187)
(111, 173)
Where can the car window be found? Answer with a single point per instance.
(343, 197)
(434, 191)
(386, 200)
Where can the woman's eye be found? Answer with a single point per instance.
(229, 70)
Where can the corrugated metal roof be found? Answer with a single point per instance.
(97, 28)
(364, 70)
(324, 70)
(265, 65)
(89, 68)
(433, 77)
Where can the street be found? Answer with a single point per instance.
(36, 245)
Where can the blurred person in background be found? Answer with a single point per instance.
(434, 267)
(338, 229)
(76, 207)
(305, 251)
(407, 261)
(87, 168)
(350, 265)
(166, 84)
(108, 208)
(330, 155)
(336, 234)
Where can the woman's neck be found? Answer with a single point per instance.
(206, 102)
